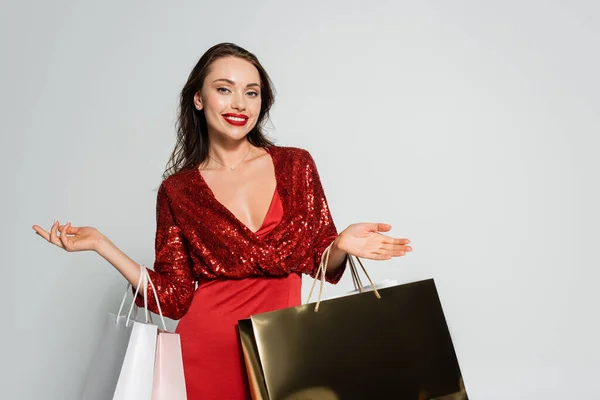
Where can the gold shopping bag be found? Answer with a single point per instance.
(392, 343)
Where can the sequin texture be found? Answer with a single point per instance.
(197, 238)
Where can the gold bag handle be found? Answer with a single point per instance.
(355, 277)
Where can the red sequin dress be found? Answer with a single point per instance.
(239, 272)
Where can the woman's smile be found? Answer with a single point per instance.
(235, 119)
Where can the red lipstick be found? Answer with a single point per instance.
(235, 119)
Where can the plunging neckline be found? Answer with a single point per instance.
(213, 198)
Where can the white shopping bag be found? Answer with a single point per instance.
(103, 371)
(137, 373)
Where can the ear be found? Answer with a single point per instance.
(198, 101)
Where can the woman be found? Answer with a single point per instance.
(236, 214)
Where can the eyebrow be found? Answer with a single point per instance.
(233, 83)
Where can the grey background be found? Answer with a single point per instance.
(470, 126)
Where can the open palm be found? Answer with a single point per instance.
(365, 240)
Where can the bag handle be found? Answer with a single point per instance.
(137, 290)
(160, 313)
(144, 280)
(322, 271)
(358, 285)
(133, 305)
(375, 291)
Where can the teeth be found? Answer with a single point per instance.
(236, 119)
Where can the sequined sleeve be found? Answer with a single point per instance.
(172, 274)
(324, 230)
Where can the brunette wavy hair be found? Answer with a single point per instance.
(191, 147)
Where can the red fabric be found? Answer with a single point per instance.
(212, 357)
(199, 239)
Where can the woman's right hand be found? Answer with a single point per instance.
(71, 238)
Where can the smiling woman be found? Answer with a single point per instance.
(234, 100)
(236, 214)
(225, 78)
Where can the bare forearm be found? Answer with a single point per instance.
(125, 265)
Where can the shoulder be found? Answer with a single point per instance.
(177, 183)
(292, 155)
(296, 166)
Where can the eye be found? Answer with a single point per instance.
(223, 90)
(253, 94)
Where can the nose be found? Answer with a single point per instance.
(238, 102)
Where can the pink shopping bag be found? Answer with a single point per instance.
(169, 381)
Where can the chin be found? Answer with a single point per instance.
(237, 132)
(232, 135)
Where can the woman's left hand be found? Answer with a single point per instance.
(364, 240)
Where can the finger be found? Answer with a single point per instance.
(42, 232)
(392, 253)
(70, 230)
(381, 227)
(73, 230)
(378, 256)
(390, 240)
(52, 232)
(376, 227)
(53, 235)
(63, 238)
(395, 247)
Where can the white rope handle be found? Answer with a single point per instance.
(144, 280)
(127, 291)
(137, 290)
(322, 272)
(355, 276)
(145, 287)
(366, 274)
(160, 313)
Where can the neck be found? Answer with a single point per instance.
(229, 153)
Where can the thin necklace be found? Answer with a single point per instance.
(236, 165)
